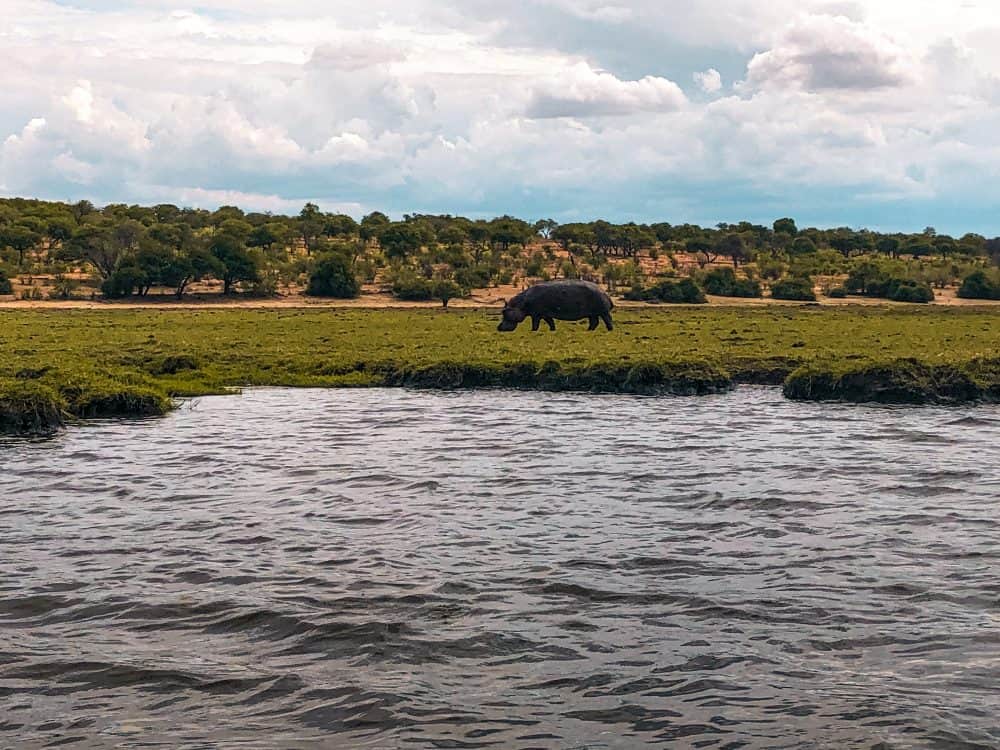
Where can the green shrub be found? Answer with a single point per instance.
(332, 277)
(534, 265)
(446, 290)
(63, 287)
(5, 286)
(980, 285)
(794, 288)
(473, 277)
(908, 290)
(407, 285)
(683, 291)
(174, 363)
(123, 282)
(886, 281)
(837, 292)
(724, 283)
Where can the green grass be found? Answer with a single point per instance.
(100, 363)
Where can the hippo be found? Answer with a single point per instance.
(558, 300)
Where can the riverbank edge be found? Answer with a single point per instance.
(43, 401)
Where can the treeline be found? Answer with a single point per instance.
(133, 250)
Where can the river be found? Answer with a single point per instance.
(400, 569)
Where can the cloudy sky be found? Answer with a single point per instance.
(878, 113)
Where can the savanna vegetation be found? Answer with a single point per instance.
(79, 251)
(65, 364)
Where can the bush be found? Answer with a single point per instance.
(723, 282)
(874, 280)
(64, 287)
(332, 277)
(980, 285)
(473, 277)
(534, 265)
(908, 290)
(407, 285)
(837, 292)
(122, 283)
(446, 290)
(5, 286)
(794, 288)
(684, 291)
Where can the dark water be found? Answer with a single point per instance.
(390, 569)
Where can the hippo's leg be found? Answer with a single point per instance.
(535, 321)
(552, 324)
(593, 322)
(606, 317)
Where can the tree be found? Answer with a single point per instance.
(802, 246)
(227, 213)
(506, 231)
(153, 260)
(733, 247)
(400, 238)
(60, 228)
(992, 248)
(235, 263)
(20, 239)
(333, 277)
(310, 224)
(786, 226)
(268, 235)
(238, 229)
(703, 250)
(81, 209)
(888, 246)
(446, 290)
(453, 234)
(544, 228)
(372, 225)
(194, 264)
(122, 282)
(340, 225)
(104, 246)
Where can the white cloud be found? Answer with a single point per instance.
(825, 52)
(476, 107)
(581, 91)
(709, 81)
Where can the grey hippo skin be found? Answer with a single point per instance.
(558, 300)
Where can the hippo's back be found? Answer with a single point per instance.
(566, 300)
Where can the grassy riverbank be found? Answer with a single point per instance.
(98, 363)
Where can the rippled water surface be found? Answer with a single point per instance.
(394, 569)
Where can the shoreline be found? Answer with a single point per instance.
(57, 368)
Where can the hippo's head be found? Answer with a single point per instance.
(511, 317)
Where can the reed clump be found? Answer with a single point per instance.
(900, 381)
(29, 408)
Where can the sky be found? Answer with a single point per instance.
(865, 113)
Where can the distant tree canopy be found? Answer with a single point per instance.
(131, 249)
